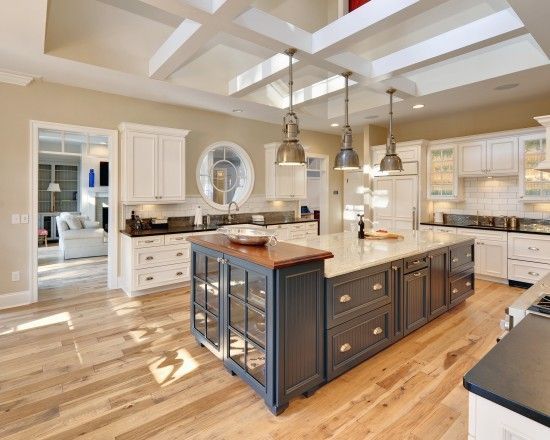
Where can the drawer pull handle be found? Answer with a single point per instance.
(149, 278)
(179, 274)
(455, 290)
(178, 238)
(535, 274)
(219, 259)
(395, 268)
(377, 286)
(455, 260)
(416, 262)
(345, 298)
(417, 274)
(149, 241)
(532, 248)
(345, 347)
(377, 331)
(468, 255)
(179, 254)
(149, 258)
(468, 283)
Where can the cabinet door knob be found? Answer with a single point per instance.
(377, 331)
(179, 274)
(179, 254)
(532, 248)
(431, 257)
(395, 268)
(345, 298)
(377, 286)
(219, 259)
(535, 274)
(417, 274)
(468, 255)
(468, 283)
(345, 347)
(455, 260)
(149, 258)
(149, 279)
(455, 290)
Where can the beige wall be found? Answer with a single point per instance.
(509, 116)
(57, 103)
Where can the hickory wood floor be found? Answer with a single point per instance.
(104, 366)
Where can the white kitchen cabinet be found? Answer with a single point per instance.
(443, 181)
(490, 157)
(152, 164)
(283, 182)
(491, 252)
(534, 186)
(393, 201)
(489, 421)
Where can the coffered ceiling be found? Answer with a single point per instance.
(226, 55)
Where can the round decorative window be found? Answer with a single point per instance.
(225, 174)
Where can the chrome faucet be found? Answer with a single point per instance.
(229, 217)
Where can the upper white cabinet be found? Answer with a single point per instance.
(443, 182)
(491, 157)
(533, 185)
(283, 182)
(153, 164)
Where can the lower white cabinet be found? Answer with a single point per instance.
(528, 257)
(491, 252)
(489, 421)
(294, 231)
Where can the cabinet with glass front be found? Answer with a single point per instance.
(534, 185)
(443, 182)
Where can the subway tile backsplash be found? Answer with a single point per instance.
(497, 196)
(255, 203)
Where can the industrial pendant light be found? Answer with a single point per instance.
(391, 161)
(290, 152)
(347, 158)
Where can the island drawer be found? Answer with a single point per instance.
(354, 294)
(461, 287)
(351, 343)
(415, 263)
(461, 257)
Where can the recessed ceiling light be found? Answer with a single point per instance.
(507, 86)
(371, 117)
(334, 124)
(417, 106)
(238, 110)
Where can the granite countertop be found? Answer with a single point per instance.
(272, 257)
(187, 229)
(514, 374)
(352, 253)
(524, 229)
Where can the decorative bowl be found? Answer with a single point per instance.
(249, 236)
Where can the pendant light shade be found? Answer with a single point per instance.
(347, 158)
(391, 161)
(290, 152)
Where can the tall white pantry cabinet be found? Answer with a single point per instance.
(152, 164)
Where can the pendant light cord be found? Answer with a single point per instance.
(391, 140)
(346, 77)
(290, 53)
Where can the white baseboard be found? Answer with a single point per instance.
(15, 299)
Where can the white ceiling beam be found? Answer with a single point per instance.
(496, 27)
(352, 62)
(260, 75)
(534, 15)
(190, 36)
(321, 89)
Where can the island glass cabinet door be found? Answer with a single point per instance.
(205, 290)
(246, 323)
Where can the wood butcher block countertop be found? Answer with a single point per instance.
(274, 257)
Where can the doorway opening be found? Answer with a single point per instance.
(316, 204)
(74, 210)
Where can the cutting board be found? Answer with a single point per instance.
(374, 235)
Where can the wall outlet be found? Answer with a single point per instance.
(15, 219)
(15, 276)
(24, 218)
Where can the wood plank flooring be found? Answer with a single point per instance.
(100, 365)
(59, 278)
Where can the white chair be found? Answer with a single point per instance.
(90, 240)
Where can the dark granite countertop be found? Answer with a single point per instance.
(514, 374)
(187, 229)
(524, 229)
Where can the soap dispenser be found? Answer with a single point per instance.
(361, 233)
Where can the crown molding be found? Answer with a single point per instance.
(18, 79)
